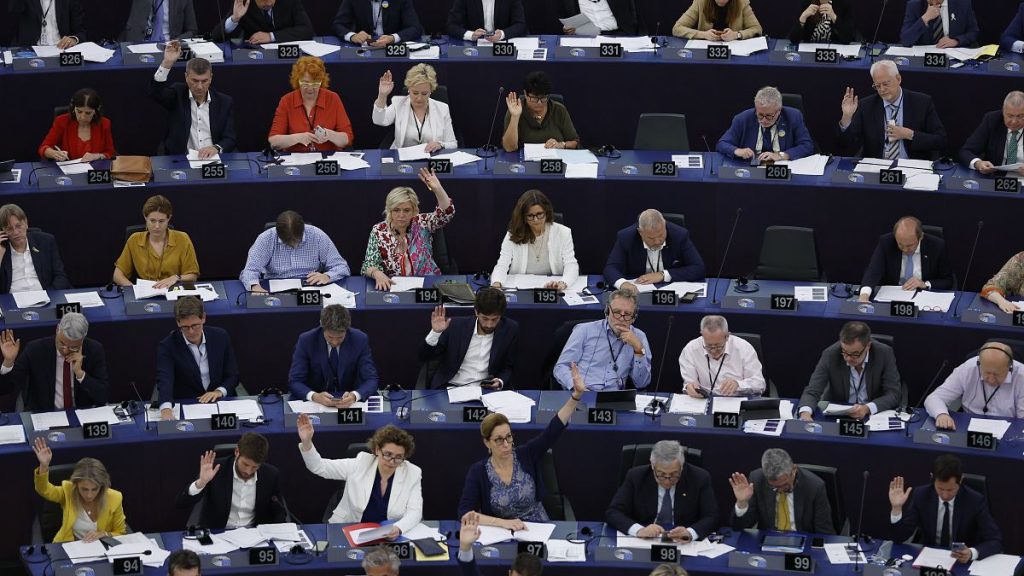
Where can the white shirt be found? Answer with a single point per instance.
(23, 271)
(654, 262)
(774, 144)
(488, 6)
(199, 135)
(49, 35)
(243, 499)
(944, 11)
(916, 273)
(1006, 149)
(83, 524)
(478, 356)
(600, 14)
(739, 363)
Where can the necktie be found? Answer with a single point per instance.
(270, 18)
(782, 512)
(892, 147)
(944, 533)
(156, 32)
(665, 513)
(908, 268)
(333, 360)
(69, 398)
(1011, 148)
(937, 33)
(766, 140)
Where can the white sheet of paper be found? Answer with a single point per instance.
(581, 171)
(86, 299)
(516, 414)
(12, 434)
(244, 408)
(1010, 167)
(641, 288)
(46, 51)
(417, 152)
(244, 537)
(688, 161)
(79, 551)
(285, 284)
(338, 295)
(281, 531)
(995, 565)
(205, 292)
(694, 548)
(526, 42)
(842, 553)
(926, 182)
(727, 404)
(309, 407)
(535, 532)
(319, 49)
(420, 531)
(534, 54)
(866, 168)
(458, 158)
(577, 299)
(301, 158)
(144, 289)
(565, 551)
(194, 161)
(836, 409)
(914, 163)
(770, 427)
(31, 298)
(893, 294)
(46, 420)
(370, 534)
(786, 408)
(219, 546)
(98, 414)
(75, 166)
(813, 165)
(582, 24)
(846, 50)
(928, 299)
(686, 404)
(576, 156)
(885, 421)
(432, 53)
(92, 52)
(992, 426)
(811, 293)
(934, 558)
(578, 41)
(464, 394)
(147, 48)
(507, 398)
(532, 152)
(681, 288)
(532, 281)
(406, 283)
(492, 535)
(716, 550)
(15, 176)
(347, 161)
(199, 411)
(207, 50)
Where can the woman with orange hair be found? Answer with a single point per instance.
(310, 118)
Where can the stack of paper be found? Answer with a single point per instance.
(406, 283)
(845, 50)
(736, 47)
(31, 298)
(92, 52)
(207, 50)
(245, 409)
(150, 48)
(86, 299)
(199, 411)
(512, 404)
(364, 535)
(772, 427)
(681, 288)
(835, 409)
(220, 545)
(843, 553)
(922, 181)
(13, 434)
(309, 407)
(205, 292)
(334, 294)
(872, 165)
(138, 543)
(244, 537)
(810, 166)
(410, 153)
(80, 551)
(75, 166)
(577, 171)
(144, 289)
(934, 558)
(98, 414)
(285, 284)
(885, 421)
(727, 404)
(565, 551)
(194, 161)
(349, 160)
(533, 532)
(686, 404)
(301, 158)
(464, 394)
(283, 531)
(990, 426)
(534, 281)
(534, 152)
(46, 420)
(421, 531)
(996, 565)
(458, 157)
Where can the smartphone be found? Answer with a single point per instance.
(817, 542)
(688, 298)
(110, 541)
(702, 392)
(429, 547)
(958, 546)
(320, 132)
(205, 539)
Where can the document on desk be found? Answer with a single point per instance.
(46, 51)
(813, 165)
(580, 171)
(736, 47)
(421, 531)
(406, 283)
(76, 166)
(309, 407)
(144, 289)
(205, 292)
(578, 299)
(86, 299)
(727, 404)
(280, 531)
(199, 411)
(138, 543)
(534, 532)
(31, 298)
(464, 394)
(245, 408)
(207, 50)
(349, 160)
(92, 52)
(12, 434)
(417, 152)
(642, 403)
(914, 163)
(515, 406)
(244, 537)
(641, 288)
(869, 168)
(459, 158)
(146, 48)
(79, 551)
(493, 534)
(990, 426)
(770, 427)
(810, 293)
(694, 548)
(885, 421)
(894, 294)
(98, 414)
(576, 156)
(844, 50)
(46, 420)
(153, 414)
(194, 161)
(301, 158)
(285, 284)
(926, 182)
(995, 565)
(219, 546)
(565, 551)
(534, 281)
(336, 295)
(686, 404)
(836, 409)
(681, 288)
(934, 558)
(963, 54)
(844, 553)
(583, 26)
(534, 54)
(15, 177)
(319, 49)
(1010, 167)
(688, 160)
(431, 53)
(535, 152)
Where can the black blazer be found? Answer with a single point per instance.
(833, 375)
(399, 18)
(35, 375)
(810, 502)
(216, 496)
(628, 258)
(454, 342)
(867, 128)
(963, 26)
(623, 10)
(181, 16)
(175, 98)
(972, 521)
(29, 13)
(988, 142)
(177, 374)
(290, 23)
(636, 501)
(468, 15)
(887, 261)
(45, 259)
(844, 29)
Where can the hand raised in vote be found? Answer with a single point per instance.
(828, 11)
(515, 107)
(743, 153)
(742, 489)
(238, 9)
(578, 385)
(43, 453)
(429, 177)
(945, 422)
(849, 105)
(305, 428)
(898, 495)
(207, 469)
(172, 51)
(386, 84)
(10, 346)
(438, 322)
(469, 530)
(360, 37)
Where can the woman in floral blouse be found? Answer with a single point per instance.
(1006, 283)
(402, 245)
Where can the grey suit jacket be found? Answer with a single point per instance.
(810, 505)
(831, 378)
(181, 16)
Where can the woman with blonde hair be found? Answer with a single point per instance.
(418, 118)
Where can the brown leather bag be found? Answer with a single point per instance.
(132, 168)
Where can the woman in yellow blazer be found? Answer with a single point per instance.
(91, 508)
(718, 20)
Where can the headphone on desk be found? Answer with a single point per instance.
(846, 287)
(746, 286)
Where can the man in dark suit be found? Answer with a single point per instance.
(784, 497)
(616, 17)
(377, 22)
(909, 258)
(943, 23)
(668, 497)
(194, 361)
(856, 371)
(652, 251)
(894, 123)
(265, 21)
(160, 21)
(997, 141)
(768, 130)
(230, 500)
(945, 513)
(332, 365)
(1012, 39)
(199, 118)
(39, 266)
(80, 382)
(524, 564)
(471, 20)
(61, 24)
(481, 349)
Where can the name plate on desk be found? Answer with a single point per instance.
(718, 52)
(1006, 184)
(531, 548)
(892, 177)
(981, 440)
(1018, 319)
(545, 296)
(396, 51)
(213, 171)
(664, 298)
(96, 431)
(664, 553)
(784, 302)
(899, 309)
(350, 415)
(226, 421)
(263, 556)
(601, 416)
(935, 60)
(67, 308)
(793, 563)
(36, 63)
(275, 171)
(798, 563)
(686, 421)
(852, 428)
(725, 420)
(941, 438)
(826, 56)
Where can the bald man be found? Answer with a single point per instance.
(909, 258)
(989, 384)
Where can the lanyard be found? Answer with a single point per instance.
(615, 355)
(988, 397)
(47, 11)
(654, 268)
(721, 363)
(419, 126)
(859, 383)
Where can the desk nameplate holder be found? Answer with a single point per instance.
(62, 566)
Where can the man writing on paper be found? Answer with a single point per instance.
(768, 130)
(652, 251)
(332, 365)
(492, 20)
(939, 23)
(718, 364)
(265, 21)
(525, 564)
(892, 124)
(247, 496)
(667, 498)
(781, 496)
(198, 118)
(989, 384)
(62, 372)
(29, 259)
(473, 350)
(291, 249)
(945, 513)
(195, 361)
(997, 140)
(377, 22)
(909, 258)
(856, 370)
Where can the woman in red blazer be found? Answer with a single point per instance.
(310, 118)
(81, 133)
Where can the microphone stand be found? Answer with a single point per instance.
(721, 266)
(656, 403)
(489, 150)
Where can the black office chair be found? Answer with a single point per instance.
(353, 450)
(789, 253)
(656, 131)
(129, 230)
(49, 515)
(440, 94)
(445, 261)
(634, 455)
(978, 483)
(34, 229)
(936, 231)
(555, 503)
(793, 101)
(755, 341)
(558, 340)
(58, 110)
(830, 475)
(1017, 346)
(675, 218)
(559, 218)
(219, 451)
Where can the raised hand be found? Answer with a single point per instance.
(429, 178)
(305, 427)
(207, 469)
(578, 385)
(43, 453)
(386, 84)
(898, 495)
(438, 322)
(238, 9)
(172, 51)
(515, 107)
(742, 489)
(808, 12)
(849, 105)
(469, 530)
(10, 346)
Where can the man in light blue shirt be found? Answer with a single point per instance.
(293, 250)
(608, 351)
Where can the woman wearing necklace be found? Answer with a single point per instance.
(310, 118)
(402, 245)
(418, 118)
(90, 508)
(159, 254)
(508, 488)
(536, 244)
(543, 121)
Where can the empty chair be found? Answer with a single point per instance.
(789, 253)
(655, 131)
(793, 101)
(445, 261)
(555, 503)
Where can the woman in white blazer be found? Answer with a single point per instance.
(380, 486)
(536, 244)
(418, 119)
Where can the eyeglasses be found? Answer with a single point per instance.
(621, 315)
(537, 99)
(878, 85)
(1014, 117)
(68, 348)
(768, 116)
(504, 440)
(667, 477)
(389, 457)
(190, 327)
(852, 354)
(710, 347)
(309, 84)
(537, 216)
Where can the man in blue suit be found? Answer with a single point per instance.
(377, 22)
(29, 259)
(194, 361)
(199, 118)
(945, 513)
(652, 251)
(768, 130)
(332, 365)
(943, 23)
(472, 20)
(1013, 37)
(481, 349)
(998, 140)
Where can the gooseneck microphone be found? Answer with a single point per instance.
(878, 27)
(967, 273)
(857, 568)
(145, 409)
(297, 554)
(711, 153)
(927, 391)
(655, 403)
(721, 265)
(489, 150)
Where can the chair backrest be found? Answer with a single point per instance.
(979, 484)
(793, 101)
(1017, 346)
(830, 475)
(675, 218)
(634, 455)
(49, 514)
(353, 450)
(558, 341)
(755, 341)
(224, 450)
(553, 498)
(657, 131)
(59, 110)
(129, 230)
(444, 259)
(936, 231)
(560, 218)
(789, 253)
